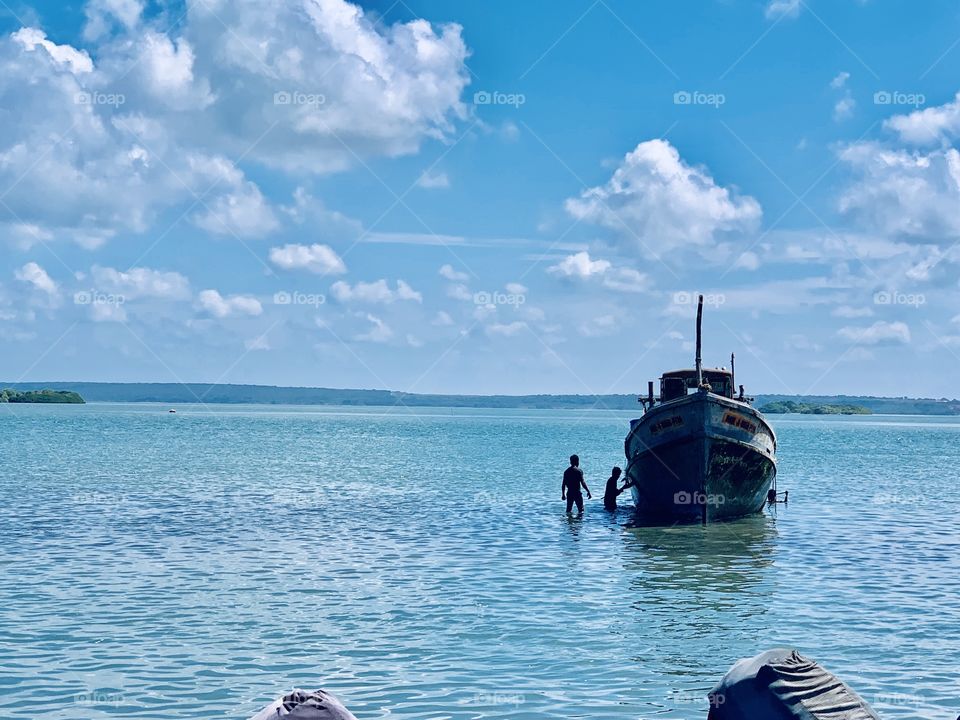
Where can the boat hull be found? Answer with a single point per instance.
(700, 458)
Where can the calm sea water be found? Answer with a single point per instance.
(420, 565)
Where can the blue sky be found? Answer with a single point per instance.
(481, 197)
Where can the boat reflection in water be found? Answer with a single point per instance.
(703, 586)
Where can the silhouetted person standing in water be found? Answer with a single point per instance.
(612, 491)
(572, 481)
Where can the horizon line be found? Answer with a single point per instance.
(51, 383)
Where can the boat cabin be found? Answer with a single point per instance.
(677, 383)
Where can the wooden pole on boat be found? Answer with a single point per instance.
(733, 373)
(699, 332)
(650, 393)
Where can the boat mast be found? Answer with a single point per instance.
(699, 330)
(733, 373)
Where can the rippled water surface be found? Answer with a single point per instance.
(420, 565)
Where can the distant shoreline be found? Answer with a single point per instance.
(45, 396)
(789, 407)
(194, 393)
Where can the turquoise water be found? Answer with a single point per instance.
(420, 565)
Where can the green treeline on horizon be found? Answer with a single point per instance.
(46, 395)
(789, 406)
(190, 393)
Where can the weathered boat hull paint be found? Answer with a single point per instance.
(702, 458)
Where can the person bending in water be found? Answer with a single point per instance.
(570, 489)
(612, 491)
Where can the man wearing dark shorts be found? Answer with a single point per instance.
(572, 482)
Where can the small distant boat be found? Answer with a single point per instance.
(699, 452)
(171, 410)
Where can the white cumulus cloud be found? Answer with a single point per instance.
(442, 319)
(845, 105)
(507, 329)
(140, 282)
(69, 58)
(881, 332)
(242, 213)
(37, 277)
(625, 279)
(379, 331)
(261, 342)
(449, 273)
(323, 75)
(143, 120)
(103, 15)
(748, 260)
(433, 181)
(840, 80)
(782, 8)
(374, 292)
(843, 108)
(579, 265)
(658, 202)
(928, 126)
(108, 312)
(319, 259)
(599, 326)
(219, 306)
(458, 291)
(903, 193)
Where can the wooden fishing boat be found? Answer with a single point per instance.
(700, 452)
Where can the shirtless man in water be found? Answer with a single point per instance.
(572, 481)
(612, 491)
